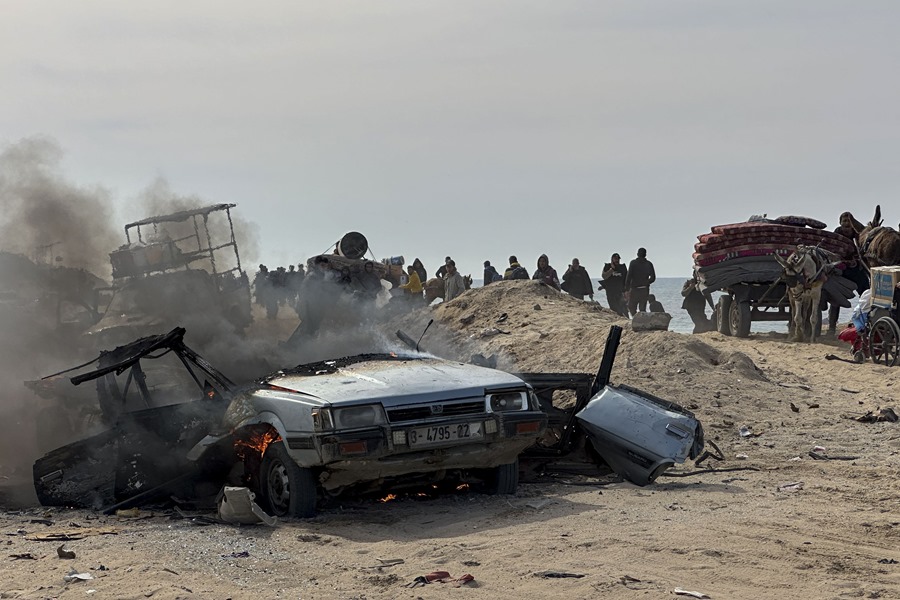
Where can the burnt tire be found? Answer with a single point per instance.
(723, 314)
(503, 479)
(739, 318)
(287, 489)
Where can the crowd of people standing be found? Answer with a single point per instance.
(325, 286)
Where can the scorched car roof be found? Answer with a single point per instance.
(389, 378)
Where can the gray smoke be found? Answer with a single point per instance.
(49, 218)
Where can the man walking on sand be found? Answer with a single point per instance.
(638, 281)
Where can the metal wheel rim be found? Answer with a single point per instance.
(278, 487)
(883, 343)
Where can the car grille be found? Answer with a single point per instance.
(416, 413)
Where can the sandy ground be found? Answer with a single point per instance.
(738, 534)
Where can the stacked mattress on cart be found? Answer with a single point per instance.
(743, 252)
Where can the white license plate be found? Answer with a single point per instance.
(442, 434)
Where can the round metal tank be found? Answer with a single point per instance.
(353, 245)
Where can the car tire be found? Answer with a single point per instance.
(287, 489)
(723, 312)
(503, 479)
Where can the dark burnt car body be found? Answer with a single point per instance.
(150, 424)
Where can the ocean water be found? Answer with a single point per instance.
(668, 291)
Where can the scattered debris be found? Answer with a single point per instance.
(538, 504)
(681, 592)
(747, 432)
(384, 563)
(502, 318)
(819, 449)
(467, 320)
(491, 331)
(236, 505)
(791, 487)
(881, 415)
(47, 522)
(71, 534)
(626, 579)
(23, 556)
(799, 386)
(74, 577)
(471, 563)
(421, 580)
(128, 513)
(849, 391)
(243, 554)
(558, 575)
(63, 553)
(887, 561)
(741, 456)
(794, 408)
(537, 307)
(813, 405)
(818, 456)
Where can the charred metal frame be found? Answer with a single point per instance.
(207, 252)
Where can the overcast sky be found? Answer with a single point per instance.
(475, 129)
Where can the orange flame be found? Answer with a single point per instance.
(388, 498)
(462, 487)
(258, 441)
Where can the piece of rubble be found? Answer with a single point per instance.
(74, 577)
(651, 321)
(681, 592)
(63, 553)
(236, 505)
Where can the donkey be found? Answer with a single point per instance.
(804, 272)
(434, 288)
(879, 245)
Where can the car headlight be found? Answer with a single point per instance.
(354, 417)
(507, 401)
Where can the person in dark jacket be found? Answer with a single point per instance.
(420, 270)
(443, 269)
(695, 305)
(545, 273)
(515, 270)
(654, 305)
(490, 273)
(849, 227)
(638, 281)
(614, 274)
(577, 282)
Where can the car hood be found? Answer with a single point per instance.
(398, 382)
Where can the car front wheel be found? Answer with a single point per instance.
(288, 490)
(503, 479)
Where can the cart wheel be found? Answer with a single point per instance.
(859, 357)
(739, 319)
(723, 318)
(884, 342)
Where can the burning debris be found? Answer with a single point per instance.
(364, 423)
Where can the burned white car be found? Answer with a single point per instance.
(382, 421)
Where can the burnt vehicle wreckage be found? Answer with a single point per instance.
(366, 423)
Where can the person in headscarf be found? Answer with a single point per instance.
(420, 269)
(545, 273)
